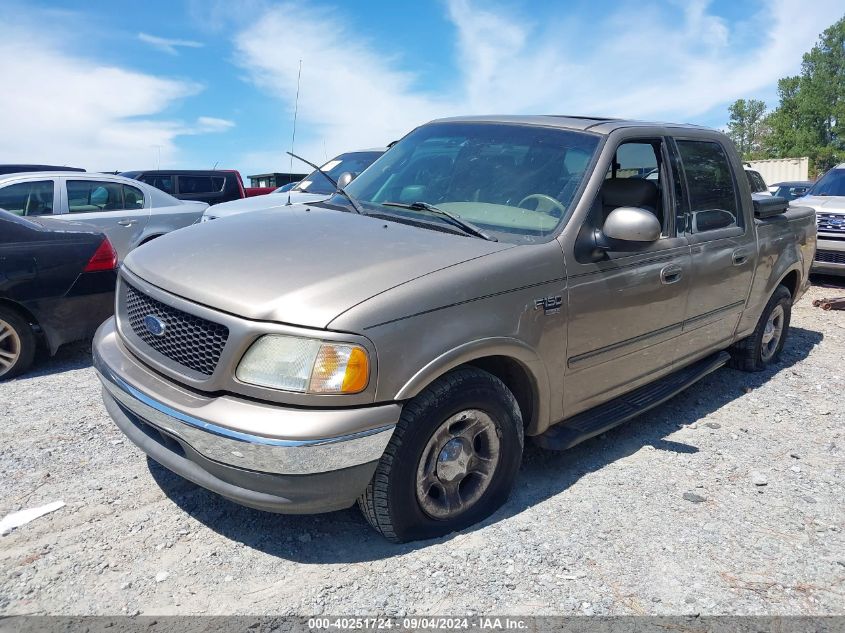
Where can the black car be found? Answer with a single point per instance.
(793, 189)
(57, 283)
(213, 186)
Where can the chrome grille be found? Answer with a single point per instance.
(831, 257)
(831, 222)
(189, 340)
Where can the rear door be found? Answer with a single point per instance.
(722, 245)
(119, 210)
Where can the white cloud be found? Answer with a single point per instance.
(212, 124)
(670, 62)
(352, 96)
(168, 45)
(644, 61)
(59, 108)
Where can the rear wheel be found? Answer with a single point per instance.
(765, 344)
(17, 344)
(452, 460)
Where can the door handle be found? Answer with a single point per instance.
(739, 258)
(126, 222)
(671, 274)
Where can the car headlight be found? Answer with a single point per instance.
(306, 365)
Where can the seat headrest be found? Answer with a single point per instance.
(628, 192)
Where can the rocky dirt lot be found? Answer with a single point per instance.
(728, 499)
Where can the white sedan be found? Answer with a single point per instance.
(127, 211)
(312, 188)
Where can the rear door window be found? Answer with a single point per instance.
(712, 195)
(28, 198)
(159, 181)
(201, 184)
(91, 196)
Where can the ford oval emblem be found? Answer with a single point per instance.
(154, 325)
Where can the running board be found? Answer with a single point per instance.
(569, 432)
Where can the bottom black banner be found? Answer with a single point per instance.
(540, 624)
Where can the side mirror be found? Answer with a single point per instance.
(631, 224)
(345, 178)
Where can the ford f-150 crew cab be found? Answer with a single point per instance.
(487, 279)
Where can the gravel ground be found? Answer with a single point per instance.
(729, 499)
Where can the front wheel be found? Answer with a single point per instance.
(765, 344)
(452, 460)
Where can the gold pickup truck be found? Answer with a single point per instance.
(487, 279)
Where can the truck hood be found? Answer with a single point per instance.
(303, 266)
(822, 204)
(258, 203)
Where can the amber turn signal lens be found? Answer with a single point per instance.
(357, 371)
(340, 368)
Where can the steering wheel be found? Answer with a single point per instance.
(545, 204)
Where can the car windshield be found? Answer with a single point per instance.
(831, 184)
(286, 187)
(791, 192)
(354, 163)
(515, 181)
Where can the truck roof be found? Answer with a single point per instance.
(598, 124)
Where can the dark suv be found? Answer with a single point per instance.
(213, 186)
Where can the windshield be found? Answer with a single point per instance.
(831, 184)
(286, 187)
(354, 163)
(516, 181)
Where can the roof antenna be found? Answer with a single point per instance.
(215, 166)
(295, 112)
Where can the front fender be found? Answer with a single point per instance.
(510, 348)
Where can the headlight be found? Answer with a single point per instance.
(305, 365)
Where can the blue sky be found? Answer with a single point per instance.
(124, 85)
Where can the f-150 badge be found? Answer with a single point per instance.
(550, 305)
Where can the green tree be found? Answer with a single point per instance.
(810, 120)
(747, 127)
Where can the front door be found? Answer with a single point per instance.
(118, 210)
(626, 311)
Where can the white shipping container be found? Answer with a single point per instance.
(774, 170)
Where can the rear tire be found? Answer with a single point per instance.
(765, 344)
(17, 344)
(451, 462)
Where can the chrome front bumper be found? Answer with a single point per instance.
(244, 434)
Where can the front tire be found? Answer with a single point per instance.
(17, 344)
(452, 460)
(765, 344)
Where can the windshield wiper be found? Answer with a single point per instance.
(337, 187)
(468, 227)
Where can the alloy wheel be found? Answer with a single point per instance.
(10, 347)
(772, 333)
(457, 464)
